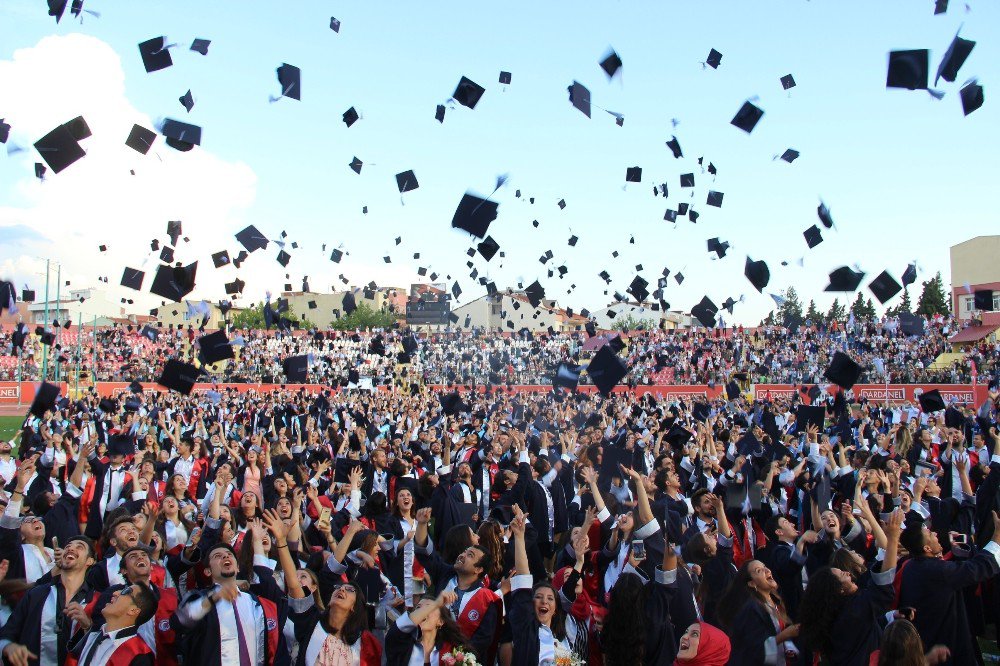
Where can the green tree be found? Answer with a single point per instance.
(364, 317)
(253, 318)
(836, 312)
(903, 306)
(932, 300)
(791, 309)
(862, 310)
(812, 313)
(632, 323)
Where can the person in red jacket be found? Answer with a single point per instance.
(117, 642)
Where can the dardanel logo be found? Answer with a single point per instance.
(8, 393)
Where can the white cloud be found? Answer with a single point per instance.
(97, 200)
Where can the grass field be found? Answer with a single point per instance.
(9, 426)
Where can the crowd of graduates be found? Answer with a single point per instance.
(440, 528)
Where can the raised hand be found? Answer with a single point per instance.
(424, 515)
(276, 525)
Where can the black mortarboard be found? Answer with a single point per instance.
(468, 92)
(982, 299)
(748, 444)
(824, 215)
(59, 148)
(296, 368)
(174, 282)
(155, 55)
(790, 155)
(687, 180)
(132, 278)
(940, 6)
(121, 445)
(931, 401)
(758, 273)
(908, 69)
(135, 387)
(701, 411)
(4, 131)
(633, 175)
(167, 254)
(505, 78)
(717, 246)
(351, 116)
(579, 96)
(813, 236)
(439, 113)
(356, 165)
(732, 390)
(806, 415)
(235, 287)
(705, 312)
(953, 59)
(221, 259)
(787, 81)
(181, 136)
(201, 46)
(911, 324)
(451, 403)
(45, 399)
(406, 181)
(972, 97)
(27, 295)
(573, 240)
(843, 371)
(174, 230)
(349, 304)
(140, 139)
(606, 369)
(567, 375)
(215, 347)
(252, 239)
(845, 279)
(187, 101)
(535, 293)
(179, 376)
(336, 256)
(715, 199)
(678, 435)
(474, 214)
(675, 147)
(884, 287)
(488, 248)
(56, 8)
(290, 78)
(910, 274)
(283, 258)
(747, 117)
(456, 290)
(611, 64)
(714, 59)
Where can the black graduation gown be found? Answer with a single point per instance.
(786, 562)
(752, 636)
(25, 623)
(857, 631)
(934, 587)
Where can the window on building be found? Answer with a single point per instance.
(996, 301)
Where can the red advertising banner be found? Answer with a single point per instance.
(115, 389)
(669, 392)
(10, 391)
(974, 394)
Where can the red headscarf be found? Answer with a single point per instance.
(713, 648)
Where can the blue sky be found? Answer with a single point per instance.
(905, 176)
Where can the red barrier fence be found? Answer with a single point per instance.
(11, 393)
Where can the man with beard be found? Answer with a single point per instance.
(123, 535)
(49, 614)
(704, 514)
(224, 625)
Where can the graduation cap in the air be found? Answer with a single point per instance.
(179, 376)
(351, 116)
(972, 97)
(406, 181)
(174, 282)
(155, 55)
(579, 96)
(132, 278)
(181, 136)
(747, 117)
(439, 113)
(845, 279)
(60, 148)
(611, 63)
(633, 175)
(220, 259)
(535, 293)
(813, 236)
(296, 368)
(140, 139)
(121, 445)
(505, 78)
(201, 46)
(187, 101)
(705, 312)
(931, 401)
(488, 248)
(252, 239)
(954, 58)
(474, 214)
(714, 59)
(452, 403)
(349, 303)
(908, 69)
(884, 287)
(843, 371)
(787, 82)
(687, 180)
(468, 92)
(283, 258)
(356, 165)
(717, 246)
(174, 230)
(790, 155)
(567, 375)
(675, 147)
(215, 347)
(290, 78)
(45, 399)
(806, 415)
(606, 369)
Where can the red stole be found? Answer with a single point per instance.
(129, 650)
(85, 499)
(166, 640)
(371, 650)
(272, 628)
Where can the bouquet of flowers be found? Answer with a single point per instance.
(459, 657)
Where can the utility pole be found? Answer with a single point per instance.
(79, 340)
(93, 366)
(45, 353)
(58, 309)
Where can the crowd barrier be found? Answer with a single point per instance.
(12, 393)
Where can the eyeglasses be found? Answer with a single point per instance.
(126, 591)
(350, 589)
